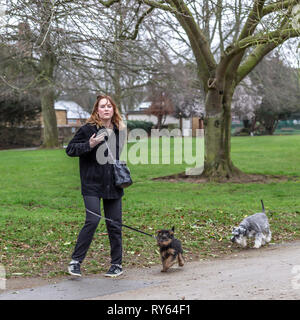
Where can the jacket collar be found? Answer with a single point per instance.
(115, 128)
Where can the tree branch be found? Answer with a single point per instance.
(253, 19)
(278, 36)
(253, 59)
(279, 6)
(199, 42)
(108, 3)
(159, 5)
(139, 22)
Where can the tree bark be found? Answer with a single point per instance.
(47, 65)
(50, 132)
(217, 133)
(159, 121)
(47, 94)
(117, 95)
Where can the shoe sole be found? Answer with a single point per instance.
(73, 274)
(113, 275)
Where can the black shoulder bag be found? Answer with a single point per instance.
(121, 172)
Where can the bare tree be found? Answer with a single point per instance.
(280, 89)
(31, 27)
(259, 26)
(269, 94)
(246, 100)
(161, 106)
(16, 107)
(77, 48)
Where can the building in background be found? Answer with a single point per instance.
(140, 114)
(69, 114)
(187, 126)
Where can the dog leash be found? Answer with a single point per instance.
(120, 224)
(263, 207)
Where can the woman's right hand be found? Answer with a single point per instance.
(96, 140)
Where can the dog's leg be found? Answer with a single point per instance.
(167, 263)
(269, 236)
(180, 260)
(258, 240)
(164, 269)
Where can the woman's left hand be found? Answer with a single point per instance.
(96, 140)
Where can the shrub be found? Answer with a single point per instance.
(242, 132)
(138, 124)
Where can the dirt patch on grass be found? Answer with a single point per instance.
(245, 178)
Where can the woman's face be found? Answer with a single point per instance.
(105, 109)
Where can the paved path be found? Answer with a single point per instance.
(272, 272)
(267, 273)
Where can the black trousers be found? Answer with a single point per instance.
(113, 211)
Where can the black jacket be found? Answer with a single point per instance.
(96, 179)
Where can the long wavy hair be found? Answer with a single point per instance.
(116, 118)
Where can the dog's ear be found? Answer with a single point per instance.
(235, 231)
(172, 231)
(158, 231)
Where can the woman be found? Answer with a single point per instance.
(97, 181)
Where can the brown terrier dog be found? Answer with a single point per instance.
(170, 248)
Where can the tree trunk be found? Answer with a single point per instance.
(159, 121)
(50, 135)
(253, 124)
(117, 89)
(47, 94)
(217, 132)
(271, 126)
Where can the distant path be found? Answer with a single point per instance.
(20, 149)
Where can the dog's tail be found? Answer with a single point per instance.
(262, 205)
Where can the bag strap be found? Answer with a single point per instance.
(109, 152)
(111, 155)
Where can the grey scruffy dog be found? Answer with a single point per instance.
(257, 226)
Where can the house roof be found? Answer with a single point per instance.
(136, 111)
(141, 108)
(74, 110)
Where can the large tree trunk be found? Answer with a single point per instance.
(47, 65)
(47, 94)
(50, 133)
(217, 132)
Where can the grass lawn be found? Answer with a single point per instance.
(42, 210)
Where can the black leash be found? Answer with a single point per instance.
(120, 224)
(263, 207)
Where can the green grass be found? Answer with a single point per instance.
(42, 210)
